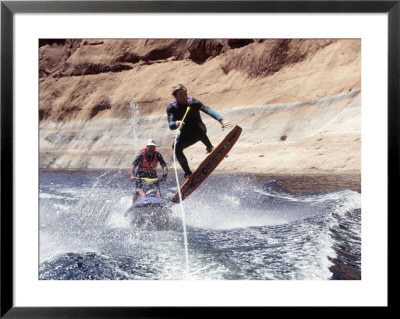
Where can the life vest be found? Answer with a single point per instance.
(146, 166)
(174, 103)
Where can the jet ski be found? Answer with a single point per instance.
(149, 211)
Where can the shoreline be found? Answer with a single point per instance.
(301, 183)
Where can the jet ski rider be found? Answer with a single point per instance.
(144, 166)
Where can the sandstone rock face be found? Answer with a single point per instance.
(298, 101)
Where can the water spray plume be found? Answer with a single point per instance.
(187, 272)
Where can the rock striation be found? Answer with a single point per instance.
(297, 100)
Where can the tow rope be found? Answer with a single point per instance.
(180, 198)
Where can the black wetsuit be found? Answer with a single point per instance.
(194, 129)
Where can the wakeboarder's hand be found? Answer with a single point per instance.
(133, 178)
(225, 124)
(179, 123)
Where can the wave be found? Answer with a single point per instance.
(237, 229)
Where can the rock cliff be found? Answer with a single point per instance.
(297, 100)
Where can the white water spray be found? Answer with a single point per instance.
(187, 272)
(134, 112)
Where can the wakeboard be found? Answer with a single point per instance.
(208, 165)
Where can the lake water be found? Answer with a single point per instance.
(238, 228)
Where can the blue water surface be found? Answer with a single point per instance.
(238, 228)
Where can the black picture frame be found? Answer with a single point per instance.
(9, 8)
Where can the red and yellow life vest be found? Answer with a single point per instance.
(145, 166)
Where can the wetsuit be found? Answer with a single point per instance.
(194, 129)
(150, 173)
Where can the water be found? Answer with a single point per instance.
(238, 228)
(134, 121)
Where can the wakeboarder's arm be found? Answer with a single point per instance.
(215, 115)
(172, 123)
